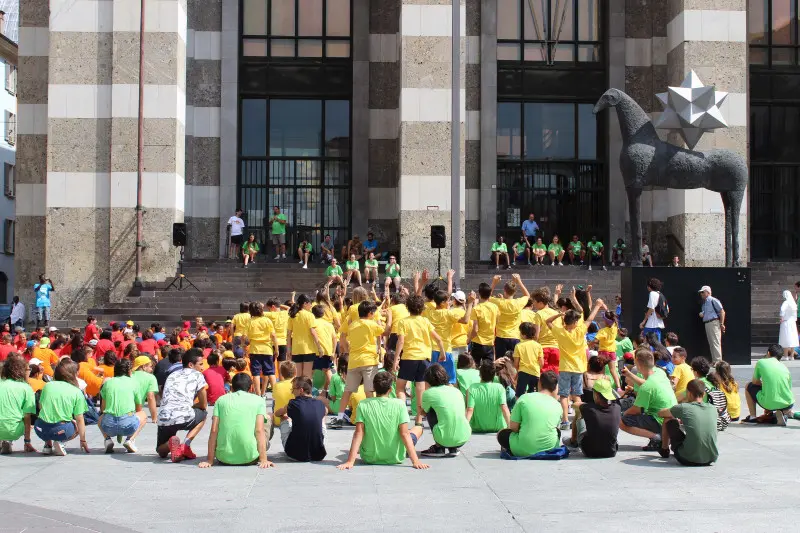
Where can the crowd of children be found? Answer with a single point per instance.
(518, 364)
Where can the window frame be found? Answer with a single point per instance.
(11, 79)
(9, 236)
(10, 128)
(770, 47)
(9, 180)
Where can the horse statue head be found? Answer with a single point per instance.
(610, 98)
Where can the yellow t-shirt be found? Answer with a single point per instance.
(302, 340)
(240, 321)
(280, 319)
(527, 315)
(529, 354)
(429, 306)
(355, 399)
(325, 333)
(607, 339)
(399, 312)
(458, 335)
(683, 374)
(443, 321)
(509, 318)
(734, 402)
(546, 337)
(281, 394)
(352, 314)
(361, 335)
(416, 333)
(485, 314)
(259, 331)
(571, 345)
(330, 314)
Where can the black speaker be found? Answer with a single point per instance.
(438, 239)
(179, 234)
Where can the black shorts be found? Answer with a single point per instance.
(413, 370)
(480, 352)
(503, 346)
(282, 353)
(166, 432)
(303, 358)
(323, 363)
(262, 365)
(526, 383)
(531, 240)
(237, 239)
(391, 344)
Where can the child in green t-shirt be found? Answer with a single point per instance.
(371, 269)
(333, 397)
(304, 252)
(500, 252)
(351, 270)
(556, 252)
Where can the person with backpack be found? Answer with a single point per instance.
(713, 316)
(657, 309)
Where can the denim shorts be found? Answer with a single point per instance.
(570, 384)
(642, 421)
(60, 431)
(262, 365)
(448, 364)
(124, 426)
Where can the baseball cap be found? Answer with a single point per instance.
(44, 342)
(459, 296)
(227, 354)
(35, 361)
(141, 361)
(229, 321)
(129, 323)
(93, 342)
(705, 288)
(603, 388)
(31, 344)
(53, 328)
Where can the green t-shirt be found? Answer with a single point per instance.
(121, 395)
(61, 401)
(595, 247)
(277, 227)
(392, 270)
(486, 399)
(623, 346)
(333, 271)
(555, 247)
(538, 416)
(382, 417)
(699, 422)
(539, 247)
(393, 392)
(497, 247)
(452, 428)
(236, 439)
(521, 247)
(16, 400)
(248, 247)
(466, 377)
(655, 394)
(351, 265)
(336, 389)
(371, 263)
(145, 382)
(620, 247)
(776, 383)
(575, 246)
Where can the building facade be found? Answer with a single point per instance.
(9, 17)
(339, 112)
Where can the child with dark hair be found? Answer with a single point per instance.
(533, 427)
(595, 369)
(607, 340)
(714, 396)
(109, 360)
(445, 412)
(487, 411)
(691, 428)
(466, 373)
(302, 424)
(333, 396)
(723, 379)
(528, 360)
(681, 373)
(382, 435)
(624, 345)
(389, 359)
(121, 407)
(17, 403)
(327, 340)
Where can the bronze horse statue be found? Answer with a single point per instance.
(646, 160)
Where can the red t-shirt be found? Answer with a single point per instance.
(6, 349)
(216, 383)
(117, 336)
(103, 345)
(148, 346)
(92, 332)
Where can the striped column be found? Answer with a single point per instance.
(425, 113)
(203, 99)
(713, 43)
(31, 157)
(471, 57)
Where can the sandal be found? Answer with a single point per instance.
(749, 420)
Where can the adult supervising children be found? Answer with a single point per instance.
(278, 222)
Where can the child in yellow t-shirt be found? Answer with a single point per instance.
(607, 342)
(722, 378)
(282, 390)
(528, 360)
(682, 373)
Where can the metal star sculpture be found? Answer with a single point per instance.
(691, 109)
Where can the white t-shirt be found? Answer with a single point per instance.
(237, 225)
(645, 249)
(653, 321)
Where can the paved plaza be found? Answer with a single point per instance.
(747, 490)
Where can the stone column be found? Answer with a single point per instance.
(31, 162)
(471, 49)
(425, 112)
(713, 43)
(488, 129)
(229, 119)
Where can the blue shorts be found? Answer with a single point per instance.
(114, 426)
(60, 431)
(303, 358)
(323, 363)
(657, 331)
(262, 365)
(448, 364)
(413, 370)
(570, 384)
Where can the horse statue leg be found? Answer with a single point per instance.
(735, 206)
(726, 203)
(635, 210)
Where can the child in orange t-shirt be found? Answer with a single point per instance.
(109, 360)
(35, 378)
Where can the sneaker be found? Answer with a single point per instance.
(299, 262)
(622, 264)
(283, 256)
(453, 452)
(564, 426)
(346, 419)
(653, 446)
(529, 263)
(590, 268)
(175, 449)
(305, 267)
(130, 446)
(278, 256)
(604, 267)
(664, 452)
(58, 449)
(245, 266)
(434, 451)
(582, 263)
(498, 267)
(47, 450)
(5, 447)
(336, 423)
(560, 264)
(188, 453)
(109, 444)
(781, 418)
(567, 441)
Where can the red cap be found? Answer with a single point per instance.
(186, 324)
(183, 335)
(162, 342)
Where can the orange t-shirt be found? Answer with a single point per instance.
(36, 384)
(93, 381)
(108, 371)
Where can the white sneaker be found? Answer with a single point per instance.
(58, 449)
(283, 256)
(622, 264)
(305, 266)
(299, 262)
(130, 446)
(590, 267)
(109, 445)
(604, 267)
(47, 450)
(560, 264)
(278, 256)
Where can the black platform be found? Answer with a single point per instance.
(680, 286)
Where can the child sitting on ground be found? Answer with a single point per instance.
(282, 390)
(682, 373)
(333, 397)
(722, 378)
(671, 341)
(466, 373)
(487, 409)
(701, 368)
(109, 360)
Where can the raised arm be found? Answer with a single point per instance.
(468, 311)
(450, 274)
(518, 280)
(574, 299)
(597, 306)
(557, 292)
(495, 280)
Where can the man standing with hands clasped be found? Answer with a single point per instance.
(713, 316)
(278, 222)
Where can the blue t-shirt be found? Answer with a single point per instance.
(306, 441)
(42, 291)
(530, 228)
(373, 244)
(158, 336)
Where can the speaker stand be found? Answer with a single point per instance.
(439, 279)
(181, 279)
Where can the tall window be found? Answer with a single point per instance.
(8, 236)
(549, 31)
(9, 181)
(773, 28)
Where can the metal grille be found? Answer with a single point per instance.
(774, 217)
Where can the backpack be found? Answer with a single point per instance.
(662, 307)
(717, 398)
